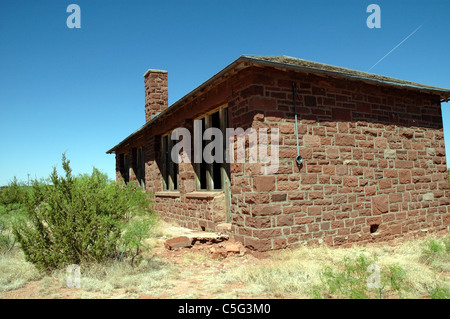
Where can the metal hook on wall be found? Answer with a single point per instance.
(299, 158)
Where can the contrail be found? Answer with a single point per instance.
(395, 47)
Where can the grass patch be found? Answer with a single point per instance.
(287, 274)
(436, 253)
(150, 276)
(15, 271)
(414, 269)
(324, 272)
(361, 278)
(440, 293)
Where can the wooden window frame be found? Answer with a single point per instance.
(140, 165)
(223, 119)
(126, 168)
(169, 169)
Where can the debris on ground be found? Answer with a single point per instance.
(219, 245)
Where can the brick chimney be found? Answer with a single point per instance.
(156, 93)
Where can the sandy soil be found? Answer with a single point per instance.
(217, 260)
(206, 260)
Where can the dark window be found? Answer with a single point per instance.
(136, 162)
(210, 176)
(121, 165)
(126, 174)
(203, 166)
(169, 167)
(215, 167)
(140, 165)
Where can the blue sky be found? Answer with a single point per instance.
(81, 91)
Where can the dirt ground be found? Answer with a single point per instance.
(197, 267)
(208, 260)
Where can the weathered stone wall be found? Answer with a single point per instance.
(374, 162)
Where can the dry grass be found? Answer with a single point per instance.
(151, 276)
(288, 274)
(195, 274)
(15, 272)
(292, 273)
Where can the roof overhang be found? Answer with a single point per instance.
(288, 63)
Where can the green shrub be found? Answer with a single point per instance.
(351, 280)
(14, 194)
(74, 220)
(133, 235)
(436, 253)
(440, 293)
(396, 279)
(7, 241)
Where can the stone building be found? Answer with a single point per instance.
(364, 161)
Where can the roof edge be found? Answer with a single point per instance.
(319, 67)
(314, 68)
(177, 104)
